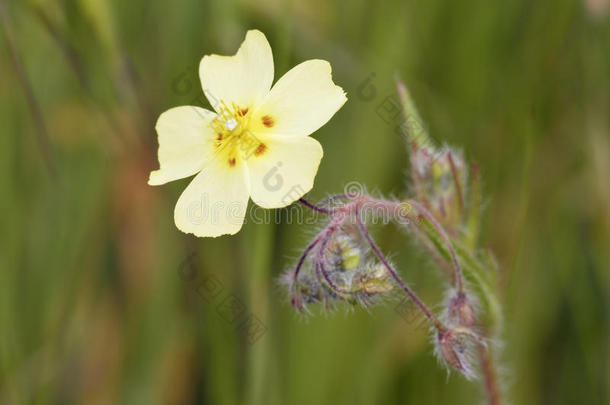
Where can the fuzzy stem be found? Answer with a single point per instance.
(393, 207)
(315, 207)
(490, 376)
(295, 276)
(322, 267)
(443, 234)
(303, 257)
(333, 197)
(437, 324)
(323, 234)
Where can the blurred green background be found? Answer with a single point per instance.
(103, 300)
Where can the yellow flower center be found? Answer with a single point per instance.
(233, 136)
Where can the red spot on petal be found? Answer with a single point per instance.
(267, 121)
(243, 111)
(260, 149)
(232, 162)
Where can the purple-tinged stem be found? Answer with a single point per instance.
(302, 260)
(333, 197)
(437, 324)
(323, 234)
(315, 207)
(441, 231)
(322, 267)
(490, 375)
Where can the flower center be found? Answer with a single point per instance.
(232, 134)
(230, 121)
(231, 124)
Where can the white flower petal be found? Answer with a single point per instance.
(215, 202)
(244, 78)
(185, 143)
(300, 102)
(283, 170)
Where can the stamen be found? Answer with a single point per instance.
(230, 126)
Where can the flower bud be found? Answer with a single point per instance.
(460, 310)
(344, 252)
(374, 280)
(304, 291)
(439, 175)
(457, 348)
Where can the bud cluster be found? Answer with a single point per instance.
(339, 269)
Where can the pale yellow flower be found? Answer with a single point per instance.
(255, 145)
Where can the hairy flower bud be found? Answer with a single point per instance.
(461, 310)
(439, 175)
(374, 280)
(457, 348)
(345, 251)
